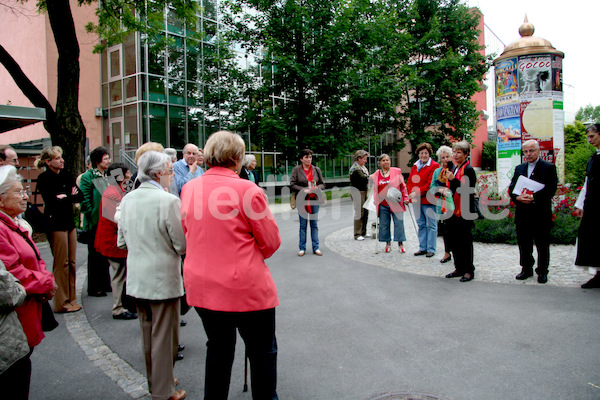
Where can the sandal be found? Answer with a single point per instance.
(388, 247)
(401, 247)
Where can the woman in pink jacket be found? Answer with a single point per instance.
(230, 231)
(388, 207)
(22, 259)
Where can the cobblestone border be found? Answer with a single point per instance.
(124, 375)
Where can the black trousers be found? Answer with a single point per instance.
(529, 231)
(257, 329)
(98, 268)
(460, 235)
(16, 379)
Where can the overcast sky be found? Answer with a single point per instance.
(572, 26)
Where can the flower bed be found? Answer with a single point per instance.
(503, 230)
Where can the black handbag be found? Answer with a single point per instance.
(49, 323)
(83, 237)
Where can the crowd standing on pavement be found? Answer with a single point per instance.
(160, 246)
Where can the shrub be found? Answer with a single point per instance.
(576, 163)
(488, 156)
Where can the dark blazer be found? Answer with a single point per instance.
(544, 172)
(244, 174)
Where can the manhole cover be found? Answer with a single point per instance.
(406, 396)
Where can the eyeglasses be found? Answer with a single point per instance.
(22, 193)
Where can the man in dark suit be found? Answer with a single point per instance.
(533, 218)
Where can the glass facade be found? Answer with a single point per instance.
(169, 94)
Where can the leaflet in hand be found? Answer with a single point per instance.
(525, 185)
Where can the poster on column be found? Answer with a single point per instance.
(508, 127)
(507, 87)
(535, 76)
(537, 122)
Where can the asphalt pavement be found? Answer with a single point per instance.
(354, 330)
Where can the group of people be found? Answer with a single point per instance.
(443, 196)
(432, 189)
(143, 228)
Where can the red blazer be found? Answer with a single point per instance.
(22, 259)
(397, 181)
(421, 181)
(106, 233)
(229, 231)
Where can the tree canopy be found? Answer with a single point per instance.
(588, 113)
(336, 74)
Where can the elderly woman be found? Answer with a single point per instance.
(150, 229)
(307, 183)
(106, 236)
(22, 259)
(460, 223)
(230, 232)
(419, 181)
(445, 204)
(247, 170)
(387, 180)
(59, 191)
(359, 179)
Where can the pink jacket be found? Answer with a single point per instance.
(397, 181)
(22, 258)
(420, 181)
(229, 232)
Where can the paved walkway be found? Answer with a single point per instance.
(493, 262)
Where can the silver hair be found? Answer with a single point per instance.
(8, 177)
(532, 141)
(150, 164)
(171, 153)
(384, 155)
(248, 159)
(463, 146)
(442, 150)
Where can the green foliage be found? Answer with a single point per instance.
(347, 71)
(588, 113)
(488, 156)
(576, 163)
(574, 136)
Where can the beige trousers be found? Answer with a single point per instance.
(64, 246)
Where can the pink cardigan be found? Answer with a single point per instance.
(229, 231)
(25, 263)
(397, 181)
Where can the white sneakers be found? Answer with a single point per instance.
(318, 252)
(360, 238)
(301, 253)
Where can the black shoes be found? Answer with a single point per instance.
(454, 274)
(180, 347)
(445, 260)
(429, 255)
(543, 278)
(524, 275)
(182, 322)
(126, 315)
(592, 283)
(420, 253)
(467, 277)
(179, 357)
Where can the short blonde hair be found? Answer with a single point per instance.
(224, 149)
(47, 154)
(360, 154)
(154, 146)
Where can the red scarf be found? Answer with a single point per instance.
(460, 172)
(311, 183)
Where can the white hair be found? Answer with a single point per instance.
(442, 150)
(8, 177)
(171, 153)
(150, 164)
(532, 141)
(248, 159)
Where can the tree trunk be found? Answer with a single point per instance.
(70, 132)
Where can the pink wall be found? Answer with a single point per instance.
(27, 36)
(481, 134)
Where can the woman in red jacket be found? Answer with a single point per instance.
(419, 181)
(22, 259)
(119, 178)
(230, 231)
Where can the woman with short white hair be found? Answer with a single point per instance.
(247, 170)
(150, 229)
(445, 204)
